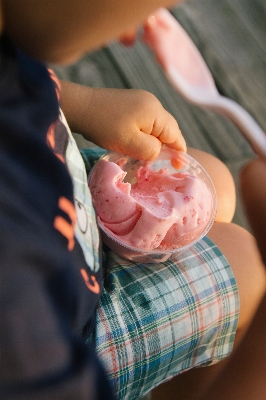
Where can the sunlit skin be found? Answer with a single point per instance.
(135, 123)
(244, 377)
(72, 39)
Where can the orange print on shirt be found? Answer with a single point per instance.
(62, 225)
(56, 82)
(50, 138)
(95, 287)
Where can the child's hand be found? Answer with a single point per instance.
(132, 122)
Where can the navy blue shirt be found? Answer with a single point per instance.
(45, 304)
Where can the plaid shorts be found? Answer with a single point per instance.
(155, 321)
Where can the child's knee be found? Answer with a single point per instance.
(223, 182)
(240, 249)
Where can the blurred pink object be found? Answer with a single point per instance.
(189, 74)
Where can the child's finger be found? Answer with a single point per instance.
(129, 37)
(142, 146)
(167, 131)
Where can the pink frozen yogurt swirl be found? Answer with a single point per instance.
(160, 211)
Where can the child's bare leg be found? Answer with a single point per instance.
(240, 249)
(241, 252)
(223, 182)
(244, 376)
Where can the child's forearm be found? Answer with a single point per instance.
(75, 102)
(129, 121)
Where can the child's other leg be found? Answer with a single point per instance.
(244, 376)
(231, 239)
(240, 249)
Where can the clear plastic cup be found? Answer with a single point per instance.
(175, 162)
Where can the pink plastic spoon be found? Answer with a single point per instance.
(190, 75)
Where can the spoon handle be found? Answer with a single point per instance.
(212, 100)
(243, 120)
(189, 74)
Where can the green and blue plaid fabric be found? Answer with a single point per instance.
(155, 321)
(86, 229)
(158, 320)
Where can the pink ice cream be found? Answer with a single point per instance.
(160, 211)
